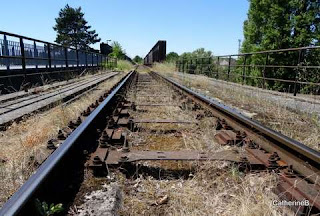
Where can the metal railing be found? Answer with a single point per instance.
(23, 56)
(294, 70)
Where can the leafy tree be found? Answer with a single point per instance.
(172, 57)
(201, 53)
(279, 24)
(198, 53)
(73, 30)
(305, 22)
(197, 61)
(117, 51)
(137, 59)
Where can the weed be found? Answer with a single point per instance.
(47, 210)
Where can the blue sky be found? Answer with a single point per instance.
(185, 24)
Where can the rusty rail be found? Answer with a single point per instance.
(21, 201)
(273, 149)
(297, 165)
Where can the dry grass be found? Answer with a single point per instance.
(210, 188)
(167, 67)
(22, 140)
(211, 191)
(124, 65)
(299, 126)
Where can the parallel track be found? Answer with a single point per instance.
(294, 162)
(15, 107)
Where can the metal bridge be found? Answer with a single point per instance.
(23, 59)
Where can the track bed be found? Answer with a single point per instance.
(152, 147)
(16, 105)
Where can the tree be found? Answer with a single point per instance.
(73, 30)
(198, 53)
(280, 24)
(137, 59)
(197, 61)
(201, 53)
(172, 57)
(117, 51)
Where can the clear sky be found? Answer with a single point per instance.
(186, 25)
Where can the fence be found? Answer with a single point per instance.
(294, 70)
(25, 62)
(23, 56)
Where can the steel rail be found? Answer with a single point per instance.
(20, 103)
(20, 198)
(296, 149)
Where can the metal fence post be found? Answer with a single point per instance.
(229, 65)
(86, 59)
(201, 66)
(6, 51)
(196, 65)
(77, 53)
(91, 59)
(49, 56)
(183, 65)
(296, 74)
(23, 60)
(244, 69)
(66, 55)
(35, 53)
(218, 64)
(210, 67)
(264, 71)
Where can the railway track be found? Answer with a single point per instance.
(16, 105)
(152, 126)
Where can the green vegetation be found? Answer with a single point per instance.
(124, 65)
(270, 25)
(281, 24)
(117, 51)
(172, 57)
(137, 59)
(198, 53)
(73, 30)
(278, 25)
(119, 54)
(45, 210)
(110, 64)
(163, 67)
(197, 62)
